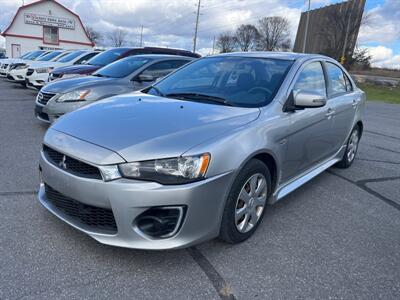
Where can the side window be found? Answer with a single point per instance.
(312, 79)
(85, 58)
(163, 68)
(337, 79)
(349, 86)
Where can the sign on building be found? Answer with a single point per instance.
(52, 21)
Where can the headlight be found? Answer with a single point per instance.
(178, 170)
(64, 76)
(73, 96)
(43, 70)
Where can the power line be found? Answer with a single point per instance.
(306, 29)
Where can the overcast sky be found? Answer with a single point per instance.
(171, 22)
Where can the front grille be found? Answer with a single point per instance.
(43, 98)
(30, 72)
(55, 76)
(71, 165)
(91, 216)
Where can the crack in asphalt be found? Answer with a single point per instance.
(379, 161)
(18, 193)
(362, 184)
(216, 279)
(382, 134)
(382, 148)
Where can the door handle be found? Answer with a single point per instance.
(330, 113)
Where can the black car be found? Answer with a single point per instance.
(112, 55)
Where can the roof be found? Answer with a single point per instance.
(158, 56)
(4, 33)
(268, 54)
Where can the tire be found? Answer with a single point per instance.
(241, 204)
(351, 149)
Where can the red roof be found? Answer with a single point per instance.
(4, 33)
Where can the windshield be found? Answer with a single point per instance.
(70, 56)
(122, 68)
(50, 56)
(237, 81)
(107, 57)
(26, 55)
(34, 54)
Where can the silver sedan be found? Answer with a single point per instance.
(199, 154)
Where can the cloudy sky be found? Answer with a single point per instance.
(171, 22)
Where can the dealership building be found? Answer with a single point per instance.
(45, 24)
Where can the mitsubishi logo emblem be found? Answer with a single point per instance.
(62, 164)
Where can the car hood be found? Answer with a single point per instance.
(76, 69)
(75, 83)
(143, 127)
(45, 64)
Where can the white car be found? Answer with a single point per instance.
(37, 74)
(6, 64)
(18, 73)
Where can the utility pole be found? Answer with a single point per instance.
(141, 36)
(196, 27)
(306, 29)
(343, 58)
(213, 45)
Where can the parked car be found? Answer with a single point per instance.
(110, 56)
(17, 73)
(123, 76)
(200, 153)
(3, 55)
(37, 74)
(7, 64)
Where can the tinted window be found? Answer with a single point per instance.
(240, 81)
(70, 56)
(163, 68)
(336, 77)
(312, 79)
(107, 57)
(122, 68)
(50, 56)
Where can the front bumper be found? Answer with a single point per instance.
(37, 80)
(53, 110)
(204, 202)
(17, 76)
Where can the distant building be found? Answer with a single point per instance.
(45, 24)
(328, 28)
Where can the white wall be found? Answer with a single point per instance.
(20, 28)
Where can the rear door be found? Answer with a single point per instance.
(342, 99)
(309, 138)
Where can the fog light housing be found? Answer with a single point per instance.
(160, 222)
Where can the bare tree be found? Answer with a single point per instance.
(274, 34)
(94, 35)
(226, 42)
(117, 37)
(246, 37)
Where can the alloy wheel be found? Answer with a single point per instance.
(352, 146)
(251, 203)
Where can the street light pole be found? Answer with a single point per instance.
(306, 29)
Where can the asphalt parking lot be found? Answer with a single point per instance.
(336, 237)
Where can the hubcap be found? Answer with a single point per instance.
(352, 146)
(251, 202)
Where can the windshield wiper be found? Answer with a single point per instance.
(199, 97)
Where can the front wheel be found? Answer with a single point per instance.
(351, 149)
(246, 202)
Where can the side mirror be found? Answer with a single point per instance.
(305, 99)
(145, 78)
(82, 62)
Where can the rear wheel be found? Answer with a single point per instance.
(246, 202)
(351, 149)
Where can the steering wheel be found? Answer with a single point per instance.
(264, 89)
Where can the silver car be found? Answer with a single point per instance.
(199, 154)
(123, 76)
